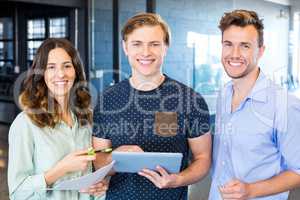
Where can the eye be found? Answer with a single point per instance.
(50, 67)
(227, 44)
(155, 44)
(246, 46)
(68, 66)
(136, 44)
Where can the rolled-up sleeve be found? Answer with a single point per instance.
(288, 137)
(23, 183)
(198, 118)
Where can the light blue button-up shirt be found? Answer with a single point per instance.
(257, 141)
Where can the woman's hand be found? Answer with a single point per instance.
(98, 189)
(75, 161)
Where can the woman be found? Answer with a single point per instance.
(48, 141)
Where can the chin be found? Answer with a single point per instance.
(235, 73)
(60, 93)
(236, 76)
(146, 73)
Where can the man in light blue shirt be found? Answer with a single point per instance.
(256, 151)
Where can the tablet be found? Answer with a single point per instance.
(133, 162)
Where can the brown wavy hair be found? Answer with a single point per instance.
(243, 18)
(36, 101)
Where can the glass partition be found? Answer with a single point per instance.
(101, 39)
(100, 43)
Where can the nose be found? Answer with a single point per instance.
(235, 53)
(60, 72)
(146, 50)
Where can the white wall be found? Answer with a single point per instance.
(276, 34)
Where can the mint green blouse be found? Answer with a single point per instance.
(34, 150)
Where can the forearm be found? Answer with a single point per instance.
(194, 172)
(201, 150)
(102, 159)
(52, 175)
(280, 183)
(30, 187)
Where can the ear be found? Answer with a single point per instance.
(165, 50)
(124, 45)
(261, 51)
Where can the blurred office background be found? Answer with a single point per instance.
(94, 28)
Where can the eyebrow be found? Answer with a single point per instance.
(66, 62)
(154, 41)
(226, 41)
(134, 41)
(246, 43)
(243, 43)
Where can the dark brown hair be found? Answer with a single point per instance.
(146, 19)
(243, 18)
(36, 100)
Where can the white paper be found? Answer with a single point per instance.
(85, 181)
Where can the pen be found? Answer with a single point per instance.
(105, 150)
(92, 151)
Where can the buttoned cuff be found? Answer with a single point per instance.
(34, 186)
(297, 171)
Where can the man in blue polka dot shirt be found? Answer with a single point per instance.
(153, 113)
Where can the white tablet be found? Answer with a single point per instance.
(133, 162)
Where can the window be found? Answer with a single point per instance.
(6, 45)
(39, 29)
(58, 27)
(36, 29)
(36, 33)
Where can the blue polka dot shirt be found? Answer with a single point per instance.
(127, 116)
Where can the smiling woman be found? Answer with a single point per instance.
(53, 84)
(55, 123)
(59, 73)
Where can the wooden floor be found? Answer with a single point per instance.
(3, 161)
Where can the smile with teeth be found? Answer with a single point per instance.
(59, 83)
(235, 64)
(145, 61)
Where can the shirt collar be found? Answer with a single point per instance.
(258, 92)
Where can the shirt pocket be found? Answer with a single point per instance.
(166, 124)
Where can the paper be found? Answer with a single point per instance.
(85, 181)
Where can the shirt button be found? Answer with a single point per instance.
(223, 163)
(229, 128)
